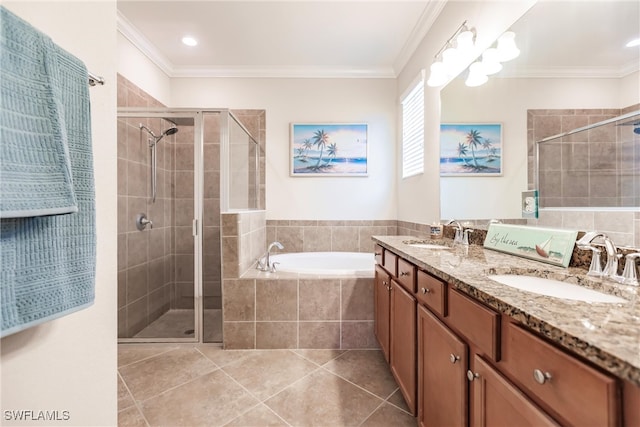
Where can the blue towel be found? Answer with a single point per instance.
(35, 171)
(48, 262)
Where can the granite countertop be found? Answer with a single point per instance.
(607, 334)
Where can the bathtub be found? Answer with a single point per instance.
(326, 263)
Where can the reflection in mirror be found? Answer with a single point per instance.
(576, 61)
(595, 165)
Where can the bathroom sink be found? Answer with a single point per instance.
(428, 246)
(554, 288)
(423, 245)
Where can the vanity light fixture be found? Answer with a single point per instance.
(490, 62)
(507, 49)
(477, 75)
(189, 41)
(633, 43)
(452, 56)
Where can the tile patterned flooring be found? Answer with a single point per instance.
(203, 385)
(178, 323)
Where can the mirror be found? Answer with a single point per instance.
(572, 57)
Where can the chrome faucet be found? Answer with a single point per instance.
(264, 262)
(459, 231)
(465, 236)
(595, 269)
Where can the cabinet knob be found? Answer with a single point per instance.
(425, 290)
(472, 375)
(453, 358)
(404, 273)
(541, 377)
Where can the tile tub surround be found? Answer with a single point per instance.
(608, 335)
(286, 310)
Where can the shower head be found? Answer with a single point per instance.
(172, 130)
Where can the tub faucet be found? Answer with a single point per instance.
(611, 268)
(459, 230)
(264, 262)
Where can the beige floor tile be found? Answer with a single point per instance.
(320, 356)
(213, 399)
(367, 369)
(152, 376)
(131, 417)
(388, 415)
(222, 357)
(323, 399)
(267, 372)
(260, 416)
(131, 353)
(397, 399)
(124, 397)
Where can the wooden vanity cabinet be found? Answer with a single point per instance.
(442, 374)
(571, 390)
(381, 304)
(395, 321)
(403, 342)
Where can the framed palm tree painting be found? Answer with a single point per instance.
(329, 149)
(471, 149)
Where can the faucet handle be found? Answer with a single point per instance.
(465, 238)
(630, 274)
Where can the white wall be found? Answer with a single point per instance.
(506, 101)
(140, 70)
(419, 196)
(70, 363)
(369, 101)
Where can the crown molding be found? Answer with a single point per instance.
(569, 72)
(128, 30)
(284, 72)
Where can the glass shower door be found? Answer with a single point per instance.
(157, 262)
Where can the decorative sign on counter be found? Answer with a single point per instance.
(548, 245)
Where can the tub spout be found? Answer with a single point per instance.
(264, 262)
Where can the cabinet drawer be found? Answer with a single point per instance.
(407, 275)
(577, 393)
(377, 254)
(390, 262)
(432, 292)
(477, 323)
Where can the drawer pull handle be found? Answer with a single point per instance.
(404, 273)
(541, 377)
(453, 358)
(425, 290)
(472, 375)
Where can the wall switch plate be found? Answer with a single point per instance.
(530, 204)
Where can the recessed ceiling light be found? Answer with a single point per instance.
(633, 43)
(189, 41)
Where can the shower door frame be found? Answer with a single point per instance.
(198, 210)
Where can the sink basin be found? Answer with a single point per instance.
(428, 246)
(554, 288)
(424, 245)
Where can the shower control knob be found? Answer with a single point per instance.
(142, 221)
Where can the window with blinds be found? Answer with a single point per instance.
(413, 132)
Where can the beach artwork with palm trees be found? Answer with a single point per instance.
(329, 149)
(471, 149)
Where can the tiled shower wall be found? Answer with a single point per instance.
(145, 258)
(613, 154)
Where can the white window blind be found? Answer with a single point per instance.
(413, 131)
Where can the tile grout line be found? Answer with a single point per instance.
(135, 402)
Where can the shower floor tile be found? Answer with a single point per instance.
(203, 385)
(179, 324)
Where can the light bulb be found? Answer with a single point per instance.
(438, 75)
(189, 41)
(464, 42)
(507, 49)
(476, 75)
(490, 62)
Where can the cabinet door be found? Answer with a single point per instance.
(403, 342)
(498, 403)
(381, 291)
(442, 374)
